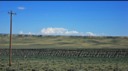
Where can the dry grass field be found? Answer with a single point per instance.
(64, 42)
(33, 61)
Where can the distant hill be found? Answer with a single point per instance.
(41, 41)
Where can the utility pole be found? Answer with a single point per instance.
(10, 44)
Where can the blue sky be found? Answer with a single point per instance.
(66, 17)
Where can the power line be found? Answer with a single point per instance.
(10, 44)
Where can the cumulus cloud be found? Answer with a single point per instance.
(21, 32)
(58, 31)
(29, 33)
(90, 34)
(61, 31)
(21, 8)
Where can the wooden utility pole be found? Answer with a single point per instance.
(10, 44)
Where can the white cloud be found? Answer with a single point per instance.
(90, 34)
(21, 8)
(21, 32)
(29, 33)
(58, 31)
(61, 31)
